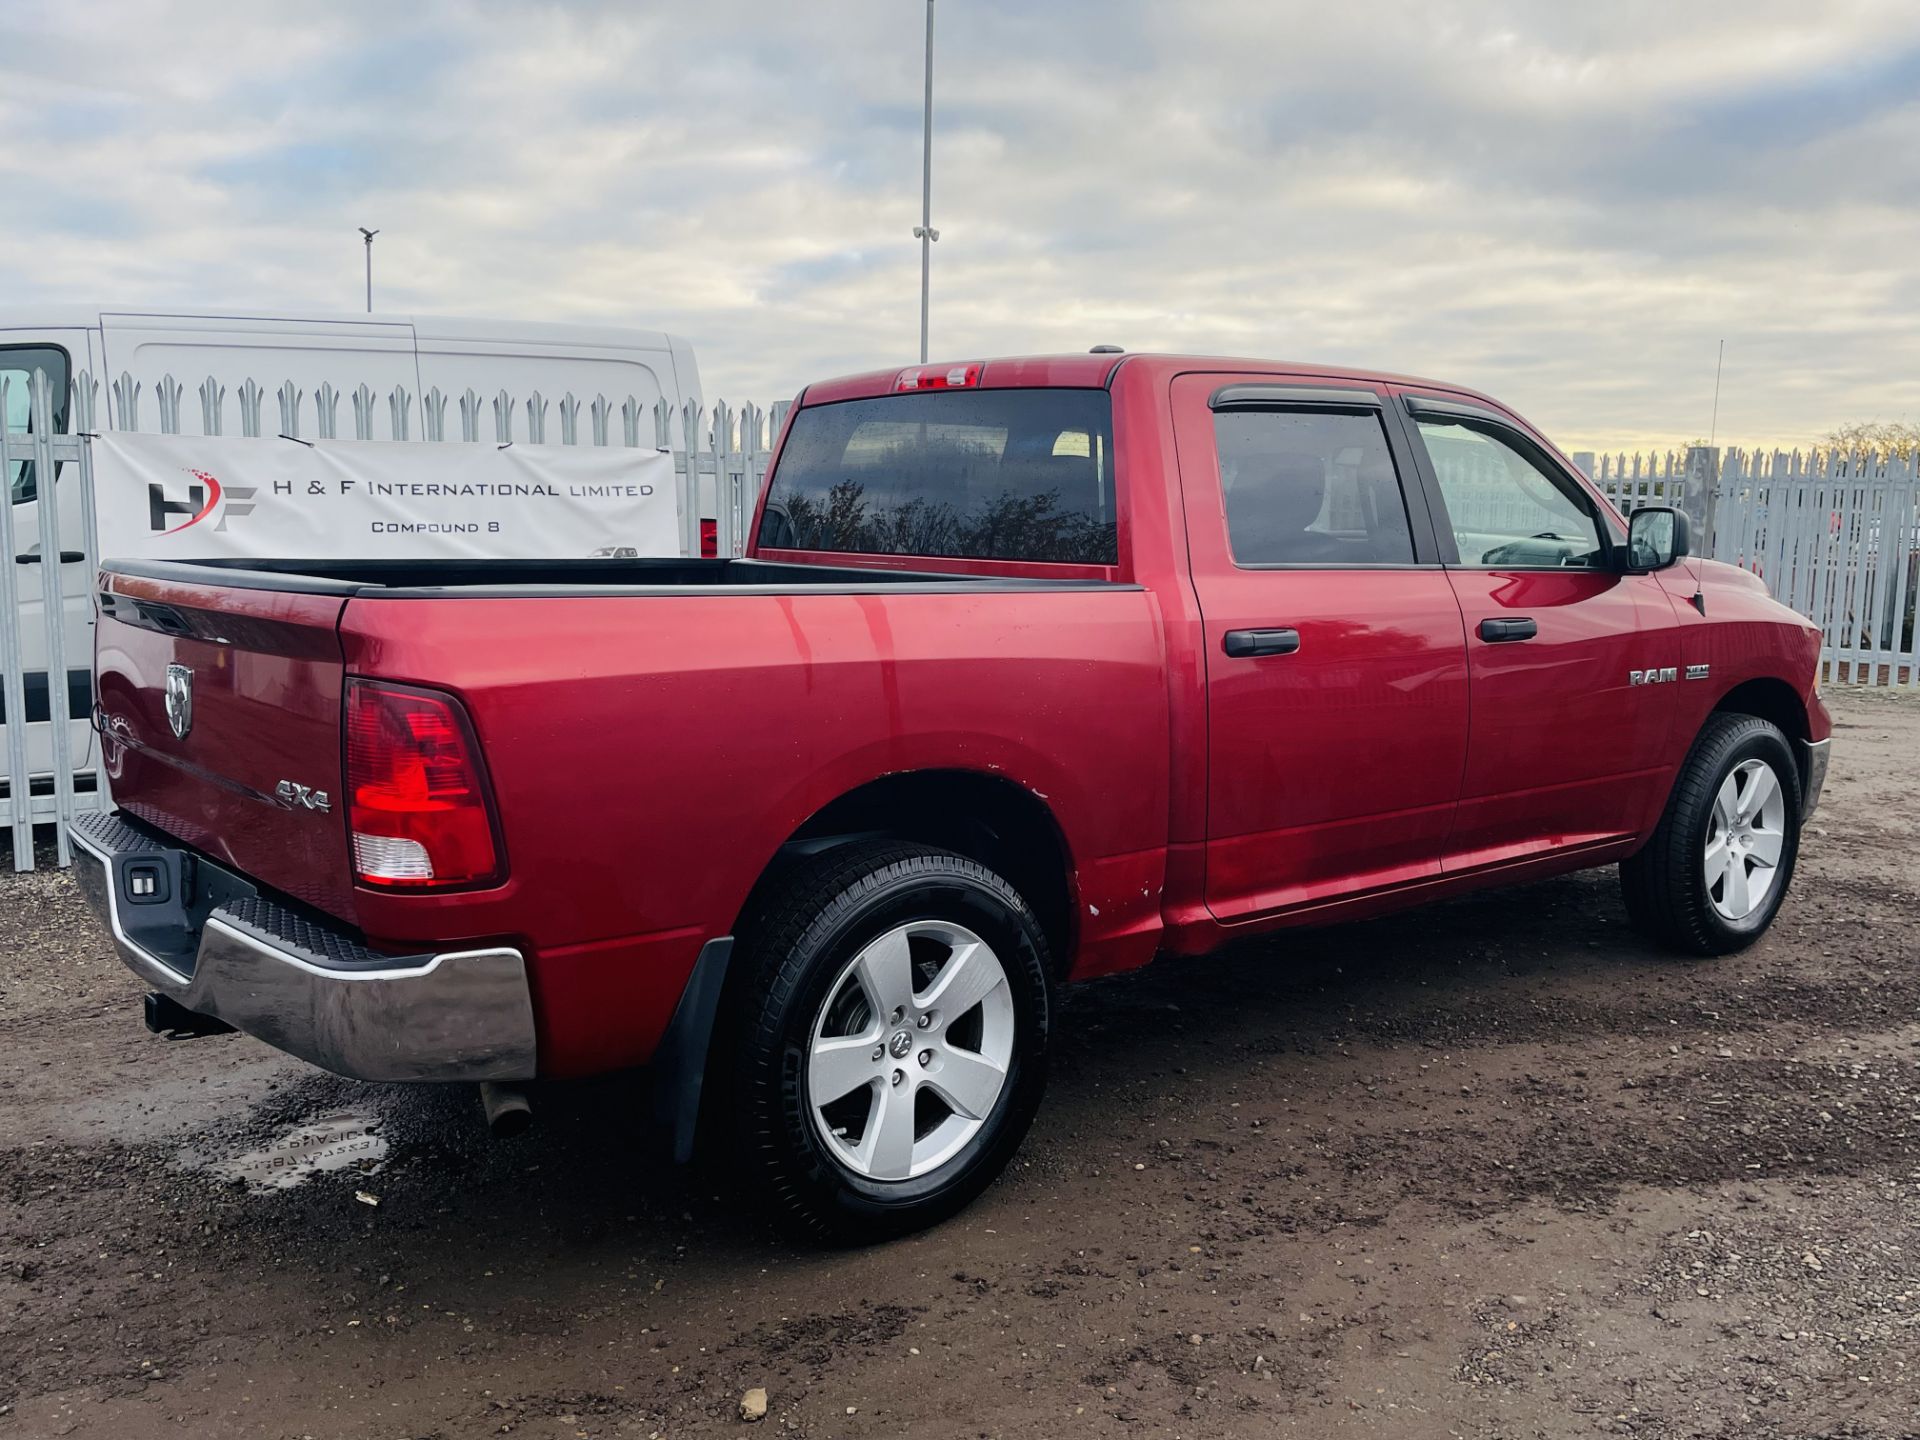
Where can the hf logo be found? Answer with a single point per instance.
(200, 502)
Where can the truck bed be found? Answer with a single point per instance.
(653, 732)
(402, 579)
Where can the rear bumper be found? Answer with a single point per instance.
(1815, 770)
(311, 991)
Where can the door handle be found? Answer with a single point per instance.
(1242, 643)
(1518, 628)
(67, 557)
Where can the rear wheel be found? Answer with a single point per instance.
(1717, 869)
(893, 1037)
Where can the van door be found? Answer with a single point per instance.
(1335, 657)
(60, 354)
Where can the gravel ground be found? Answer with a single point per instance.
(1487, 1169)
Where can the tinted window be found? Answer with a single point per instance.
(17, 364)
(1505, 509)
(973, 474)
(1307, 488)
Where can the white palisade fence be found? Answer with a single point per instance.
(726, 449)
(1836, 536)
(1834, 533)
(719, 456)
(38, 568)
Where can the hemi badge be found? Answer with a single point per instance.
(1698, 672)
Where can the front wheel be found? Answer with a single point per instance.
(1717, 869)
(893, 1040)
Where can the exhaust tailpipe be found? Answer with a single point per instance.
(509, 1112)
(167, 1016)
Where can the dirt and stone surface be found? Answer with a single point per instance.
(1492, 1168)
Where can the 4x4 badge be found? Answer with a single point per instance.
(295, 796)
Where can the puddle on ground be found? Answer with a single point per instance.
(340, 1141)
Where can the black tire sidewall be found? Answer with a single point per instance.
(1762, 742)
(944, 888)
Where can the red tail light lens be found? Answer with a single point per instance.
(709, 539)
(419, 812)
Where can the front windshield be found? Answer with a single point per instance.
(17, 364)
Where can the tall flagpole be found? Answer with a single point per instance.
(924, 231)
(369, 234)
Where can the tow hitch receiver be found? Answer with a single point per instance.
(167, 1016)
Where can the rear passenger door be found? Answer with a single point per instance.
(1569, 749)
(1335, 658)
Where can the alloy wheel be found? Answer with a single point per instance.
(910, 1050)
(1745, 839)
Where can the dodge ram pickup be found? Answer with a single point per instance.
(1034, 669)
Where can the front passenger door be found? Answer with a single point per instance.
(1567, 751)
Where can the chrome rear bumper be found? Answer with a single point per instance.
(309, 990)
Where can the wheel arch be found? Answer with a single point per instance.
(987, 818)
(1770, 699)
(995, 821)
(1775, 701)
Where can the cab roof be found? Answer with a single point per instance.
(1095, 371)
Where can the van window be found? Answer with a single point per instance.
(17, 364)
(968, 474)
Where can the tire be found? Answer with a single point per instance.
(820, 944)
(1686, 896)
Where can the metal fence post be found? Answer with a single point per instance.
(13, 658)
(722, 440)
(53, 612)
(1702, 472)
(687, 465)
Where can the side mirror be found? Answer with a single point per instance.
(1657, 536)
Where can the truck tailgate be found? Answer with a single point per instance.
(220, 715)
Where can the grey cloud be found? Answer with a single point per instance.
(1566, 205)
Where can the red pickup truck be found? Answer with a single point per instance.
(1035, 669)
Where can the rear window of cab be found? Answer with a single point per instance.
(962, 474)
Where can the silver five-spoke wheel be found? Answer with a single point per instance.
(1744, 840)
(910, 1050)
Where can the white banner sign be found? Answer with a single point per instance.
(180, 497)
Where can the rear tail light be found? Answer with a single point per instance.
(709, 539)
(418, 812)
(952, 377)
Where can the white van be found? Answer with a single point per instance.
(418, 353)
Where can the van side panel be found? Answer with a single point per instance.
(555, 360)
(267, 350)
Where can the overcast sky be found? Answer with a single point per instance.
(1566, 204)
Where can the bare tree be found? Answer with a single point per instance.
(1896, 438)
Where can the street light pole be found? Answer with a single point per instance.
(369, 234)
(924, 231)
